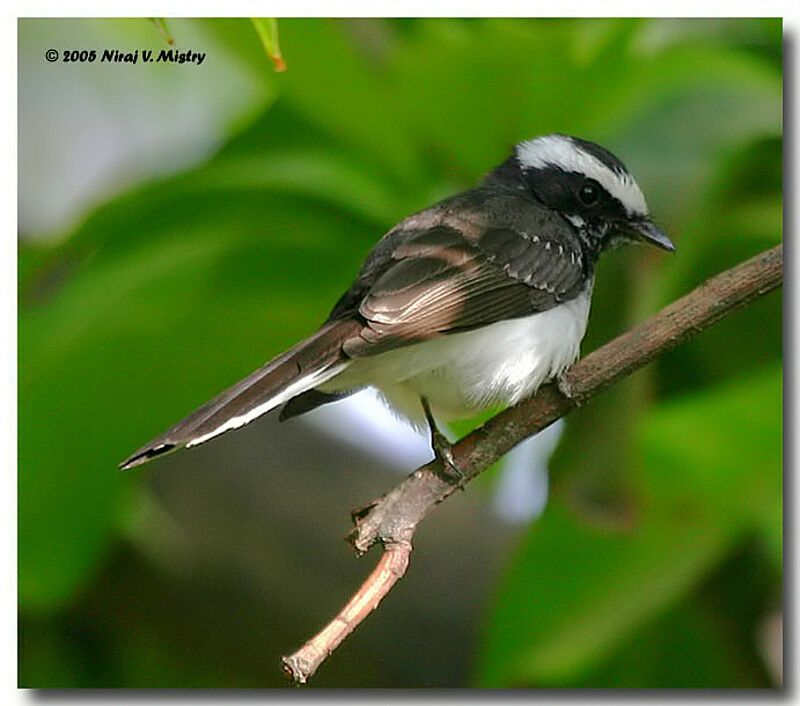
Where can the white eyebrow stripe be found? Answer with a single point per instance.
(561, 152)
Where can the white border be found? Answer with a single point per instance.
(8, 52)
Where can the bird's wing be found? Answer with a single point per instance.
(439, 282)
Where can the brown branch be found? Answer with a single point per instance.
(393, 518)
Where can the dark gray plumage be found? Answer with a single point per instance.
(518, 246)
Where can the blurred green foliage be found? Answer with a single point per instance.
(660, 487)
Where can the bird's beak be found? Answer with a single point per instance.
(649, 232)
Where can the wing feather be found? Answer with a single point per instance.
(442, 282)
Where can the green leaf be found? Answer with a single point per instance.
(687, 647)
(267, 29)
(161, 26)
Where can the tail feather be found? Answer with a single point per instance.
(308, 364)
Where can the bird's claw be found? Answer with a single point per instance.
(566, 389)
(443, 451)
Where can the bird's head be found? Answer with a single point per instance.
(589, 187)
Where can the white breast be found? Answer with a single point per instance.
(462, 373)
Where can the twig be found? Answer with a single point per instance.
(391, 567)
(393, 518)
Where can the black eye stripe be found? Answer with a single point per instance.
(560, 189)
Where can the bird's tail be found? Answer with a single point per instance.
(308, 364)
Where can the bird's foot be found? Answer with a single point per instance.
(566, 389)
(443, 452)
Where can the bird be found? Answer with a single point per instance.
(472, 303)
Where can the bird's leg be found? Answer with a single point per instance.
(442, 449)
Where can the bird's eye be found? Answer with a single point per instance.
(589, 193)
